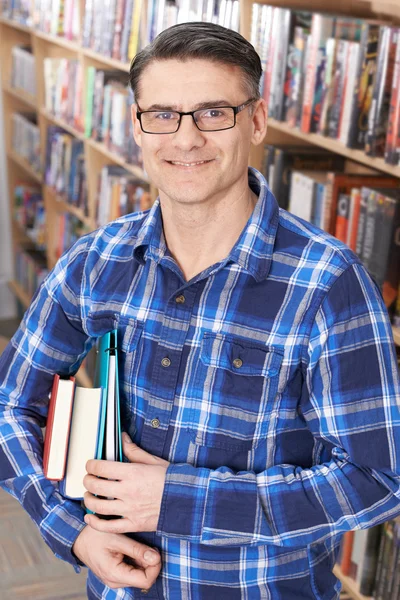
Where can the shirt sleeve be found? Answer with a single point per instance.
(350, 401)
(49, 340)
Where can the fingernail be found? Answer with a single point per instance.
(151, 557)
(126, 437)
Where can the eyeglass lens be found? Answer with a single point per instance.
(209, 119)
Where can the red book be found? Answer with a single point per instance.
(342, 217)
(57, 428)
(348, 539)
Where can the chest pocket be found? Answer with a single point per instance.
(235, 384)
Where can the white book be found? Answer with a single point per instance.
(83, 439)
(348, 96)
(301, 195)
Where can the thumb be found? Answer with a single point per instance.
(136, 455)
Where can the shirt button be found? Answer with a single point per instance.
(144, 591)
(165, 362)
(180, 299)
(155, 423)
(237, 363)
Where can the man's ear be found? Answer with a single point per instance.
(137, 132)
(259, 122)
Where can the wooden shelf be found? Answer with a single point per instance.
(58, 40)
(19, 160)
(111, 62)
(61, 123)
(22, 95)
(335, 146)
(349, 585)
(396, 335)
(15, 25)
(20, 293)
(134, 169)
(70, 208)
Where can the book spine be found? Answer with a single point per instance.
(369, 233)
(310, 75)
(342, 217)
(282, 61)
(349, 92)
(379, 111)
(362, 221)
(338, 88)
(392, 271)
(394, 109)
(293, 77)
(365, 87)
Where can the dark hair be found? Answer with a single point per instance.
(204, 41)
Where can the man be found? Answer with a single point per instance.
(258, 377)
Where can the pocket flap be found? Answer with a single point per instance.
(129, 333)
(240, 356)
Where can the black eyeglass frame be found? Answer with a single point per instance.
(236, 110)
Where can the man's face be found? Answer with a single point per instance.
(214, 163)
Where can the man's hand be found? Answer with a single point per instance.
(104, 554)
(137, 489)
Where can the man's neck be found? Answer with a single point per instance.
(201, 235)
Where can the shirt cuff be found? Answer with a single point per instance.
(61, 527)
(183, 502)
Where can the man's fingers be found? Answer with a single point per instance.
(102, 506)
(143, 555)
(109, 526)
(136, 455)
(129, 576)
(102, 487)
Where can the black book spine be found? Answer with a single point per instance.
(365, 76)
(371, 561)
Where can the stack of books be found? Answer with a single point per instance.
(84, 423)
(65, 168)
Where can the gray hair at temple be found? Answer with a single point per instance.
(205, 41)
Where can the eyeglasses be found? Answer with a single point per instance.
(213, 118)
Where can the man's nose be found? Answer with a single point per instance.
(188, 133)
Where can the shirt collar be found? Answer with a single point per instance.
(254, 248)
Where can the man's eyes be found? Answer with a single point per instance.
(166, 116)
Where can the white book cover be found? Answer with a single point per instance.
(83, 439)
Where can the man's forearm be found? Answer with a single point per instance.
(284, 505)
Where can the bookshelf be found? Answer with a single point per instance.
(98, 155)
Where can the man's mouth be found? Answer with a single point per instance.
(188, 164)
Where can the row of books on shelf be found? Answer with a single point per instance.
(103, 114)
(118, 191)
(29, 213)
(30, 268)
(121, 28)
(360, 209)
(371, 557)
(65, 169)
(26, 138)
(336, 76)
(67, 230)
(23, 71)
(17, 10)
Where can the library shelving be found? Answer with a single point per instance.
(97, 154)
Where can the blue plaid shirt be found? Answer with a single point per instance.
(278, 406)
